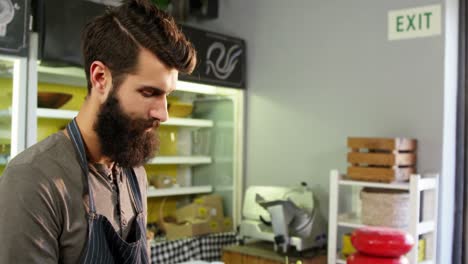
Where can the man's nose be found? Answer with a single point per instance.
(159, 109)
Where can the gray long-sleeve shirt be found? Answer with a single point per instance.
(43, 206)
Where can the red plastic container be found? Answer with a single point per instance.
(382, 242)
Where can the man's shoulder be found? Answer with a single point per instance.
(50, 154)
(53, 148)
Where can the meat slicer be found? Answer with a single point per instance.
(288, 217)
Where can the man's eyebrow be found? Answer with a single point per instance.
(155, 89)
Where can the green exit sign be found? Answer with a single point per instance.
(414, 22)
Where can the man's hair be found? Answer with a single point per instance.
(116, 37)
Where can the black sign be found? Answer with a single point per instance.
(60, 24)
(221, 59)
(14, 27)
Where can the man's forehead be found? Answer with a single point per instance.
(165, 81)
(149, 61)
(153, 72)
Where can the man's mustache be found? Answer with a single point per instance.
(152, 123)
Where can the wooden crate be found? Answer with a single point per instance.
(381, 159)
(399, 144)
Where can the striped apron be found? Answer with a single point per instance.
(104, 245)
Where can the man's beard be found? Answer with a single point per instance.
(124, 139)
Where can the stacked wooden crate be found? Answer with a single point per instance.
(381, 159)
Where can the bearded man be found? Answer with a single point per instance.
(79, 196)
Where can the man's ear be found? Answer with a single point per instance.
(101, 80)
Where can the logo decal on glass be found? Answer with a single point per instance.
(225, 63)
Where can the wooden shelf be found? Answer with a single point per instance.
(425, 184)
(153, 192)
(181, 160)
(399, 185)
(352, 220)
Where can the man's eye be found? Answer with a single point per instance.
(147, 93)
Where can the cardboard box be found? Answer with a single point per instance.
(214, 200)
(199, 211)
(194, 227)
(162, 181)
(220, 225)
(227, 225)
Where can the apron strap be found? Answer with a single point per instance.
(75, 136)
(135, 189)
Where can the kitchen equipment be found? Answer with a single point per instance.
(285, 216)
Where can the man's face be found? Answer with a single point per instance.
(128, 120)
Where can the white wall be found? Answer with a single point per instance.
(322, 70)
